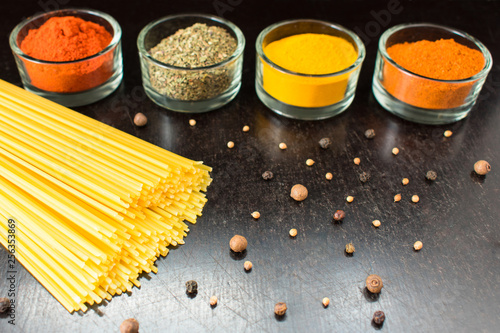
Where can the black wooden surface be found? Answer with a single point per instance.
(451, 285)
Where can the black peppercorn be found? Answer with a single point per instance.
(379, 317)
(370, 133)
(431, 175)
(4, 304)
(339, 215)
(364, 177)
(191, 287)
(267, 175)
(325, 143)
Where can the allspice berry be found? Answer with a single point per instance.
(129, 326)
(299, 192)
(374, 283)
(482, 167)
(378, 317)
(191, 287)
(238, 243)
(140, 119)
(280, 308)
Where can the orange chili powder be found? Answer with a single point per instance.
(68, 38)
(443, 59)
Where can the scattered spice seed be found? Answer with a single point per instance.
(246, 128)
(364, 177)
(293, 232)
(482, 167)
(329, 176)
(376, 223)
(192, 122)
(247, 265)
(325, 143)
(325, 301)
(349, 198)
(415, 198)
(238, 243)
(357, 160)
(431, 175)
(213, 301)
(418, 245)
(4, 304)
(267, 175)
(280, 308)
(378, 317)
(191, 287)
(299, 192)
(230, 144)
(405, 181)
(349, 248)
(282, 146)
(339, 215)
(370, 133)
(129, 326)
(140, 120)
(310, 162)
(374, 283)
(397, 197)
(395, 151)
(256, 215)
(448, 133)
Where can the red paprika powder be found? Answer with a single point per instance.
(442, 59)
(63, 39)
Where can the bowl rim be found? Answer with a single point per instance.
(240, 39)
(488, 62)
(353, 66)
(70, 11)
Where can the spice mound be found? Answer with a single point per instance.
(310, 54)
(443, 59)
(197, 46)
(68, 38)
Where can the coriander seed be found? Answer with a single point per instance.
(280, 309)
(395, 151)
(267, 175)
(378, 318)
(357, 160)
(293, 232)
(256, 215)
(213, 301)
(405, 181)
(299, 192)
(431, 175)
(309, 162)
(238, 243)
(370, 133)
(130, 325)
(140, 120)
(482, 167)
(415, 198)
(397, 197)
(325, 143)
(349, 198)
(329, 176)
(4, 304)
(247, 265)
(192, 122)
(376, 223)
(338, 215)
(448, 133)
(325, 301)
(230, 144)
(374, 283)
(191, 287)
(418, 245)
(283, 146)
(349, 248)
(246, 128)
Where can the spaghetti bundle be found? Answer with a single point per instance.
(93, 207)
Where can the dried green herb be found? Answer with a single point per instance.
(194, 47)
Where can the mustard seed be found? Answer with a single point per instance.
(415, 198)
(213, 301)
(256, 215)
(247, 265)
(310, 162)
(448, 133)
(418, 245)
(238, 243)
(129, 326)
(397, 197)
(140, 120)
(378, 318)
(395, 151)
(192, 122)
(338, 215)
(357, 160)
(280, 308)
(299, 192)
(482, 167)
(376, 223)
(325, 301)
(282, 146)
(374, 283)
(293, 232)
(246, 128)
(405, 181)
(230, 144)
(349, 248)
(325, 143)
(349, 198)
(329, 176)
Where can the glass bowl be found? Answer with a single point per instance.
(185, 89)
(326, 95)
(71, 83)
(418, 98)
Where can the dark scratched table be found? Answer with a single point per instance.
(451, 285)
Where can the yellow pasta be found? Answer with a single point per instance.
(94, 207)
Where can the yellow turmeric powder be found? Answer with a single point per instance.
(308, 54)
